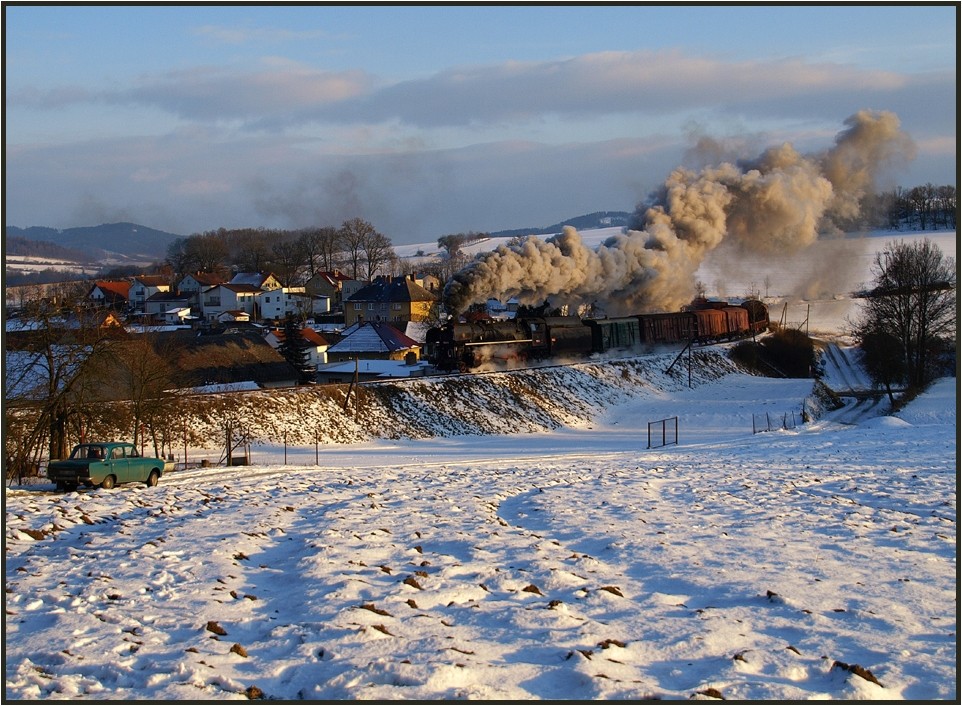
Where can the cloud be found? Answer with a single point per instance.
(209, 93)
(282, 93)
(595, 84)
(279, 88)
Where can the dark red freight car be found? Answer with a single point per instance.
(676, 327)
(712, 324)
(737, 319)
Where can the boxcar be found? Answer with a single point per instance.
(712, 324)
(737, 318)
(613, 334)
(675, 327)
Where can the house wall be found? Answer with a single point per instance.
(278, 303)
(139, 293)
(217, 300)
(397, 313)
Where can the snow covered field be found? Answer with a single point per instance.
(816, 563)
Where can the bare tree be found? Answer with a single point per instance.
(921, 199)
(913, 302)
(250, 248)
(947, 203)
(288, 261)
(378, 253)
(177, 257)
(133, 371)
(206, 252)
(51, 370)
(354, 235)
(321, 249)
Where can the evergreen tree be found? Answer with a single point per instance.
(293, 347)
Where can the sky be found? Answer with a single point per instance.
(429, 120)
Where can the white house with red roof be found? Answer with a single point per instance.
(110, 293)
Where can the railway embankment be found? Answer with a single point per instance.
(517, 401)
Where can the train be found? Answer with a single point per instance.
(465, 346)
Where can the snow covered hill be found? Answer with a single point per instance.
(528, 544)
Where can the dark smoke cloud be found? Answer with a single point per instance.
(773, 205)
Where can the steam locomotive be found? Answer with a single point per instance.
(468, 345)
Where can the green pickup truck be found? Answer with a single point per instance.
(105, 465)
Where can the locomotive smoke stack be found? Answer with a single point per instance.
(772, 205)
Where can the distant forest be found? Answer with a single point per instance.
(927, 207)
(25, 247)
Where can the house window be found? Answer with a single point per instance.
(370, 306)
(397, 306)
(357, 306)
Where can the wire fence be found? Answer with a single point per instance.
(766, 422)
(663, 432)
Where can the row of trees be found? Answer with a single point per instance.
(925, 207)
(294, 256)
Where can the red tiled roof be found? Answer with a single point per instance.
(309, 335)
(113, 289)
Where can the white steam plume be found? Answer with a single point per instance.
(772, 205)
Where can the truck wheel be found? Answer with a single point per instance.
(153, 479)
(108, 483)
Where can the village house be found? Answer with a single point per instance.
(431, 283)
(396, 300)
(160, 303)
(262, 280)
(177, 316)
(373, 340)
(194, 284)
(113, 294)
(229, 297)
(143, 287)
(335, 285)
(277, 304)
